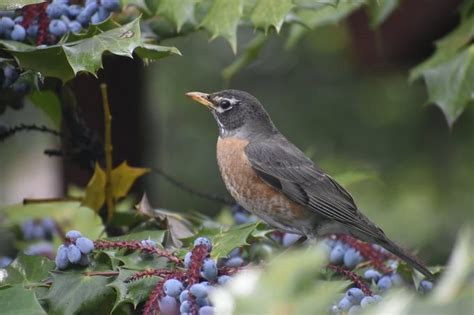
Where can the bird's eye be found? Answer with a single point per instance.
(225, 104)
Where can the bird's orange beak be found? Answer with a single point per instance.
(201, 98)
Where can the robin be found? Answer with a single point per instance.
(269, 176)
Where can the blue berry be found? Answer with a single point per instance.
(199, 290)
(39, 249)
(372, 274)
(425, 286)
(27, 229)
(209, 269)
(184, 296)
(61, 257)
(18, 19)
(241, 218)
(6, 23)
(202, 302)
(49, 224)
(74, 10)
(18, 33)
(206, 310)
(384, 283)
(234, 262)
(57, 27)
(87, 13)
(84, 261)
(187, 259)
(23, 88)
(337, 254)
(397, 280)
(223, 279)
(352, 258)
(11, 75)
(377, 298)
(148, 242)
(168, 305)
(367, 300)
(235, 252)
(55, 10)
(73, 235)
(32, 30)
(85, 245)
(5, 261)
(73, 254)
(63, 2)
(103, 13)
(111, 5)
(185, 307)
(75, 26)
(203, 241)
(173, 287)
(355, 295)
(344, 304)
(37, 231)
(290, 238)
(355, 310)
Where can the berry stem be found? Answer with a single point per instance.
(349, 274)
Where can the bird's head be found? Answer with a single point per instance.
(237, 113)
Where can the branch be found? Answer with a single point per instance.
(108, 151)
(24, 127)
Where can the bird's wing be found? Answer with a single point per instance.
(283, 166)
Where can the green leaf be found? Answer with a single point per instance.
(269, 13)
(29, 269)
(252, 51)
(17, 299)
(448, 73)
(226, 241)
(450, 83)
(48, 102)
(178, 12)
(380, 10)
(70, 215)
(134, 292)
(223, 19)
(76, 293)
(7, 5)
(154, 235)
(65, 60)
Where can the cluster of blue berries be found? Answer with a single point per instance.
(75, 251)
(179, 298)
(36, 229)
(61, 16)
(10, 79)
(241, 215)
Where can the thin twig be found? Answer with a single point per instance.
(108, 151)
(102, 273)
(184, 187)
(46, 200)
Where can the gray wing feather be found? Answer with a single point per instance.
(283, 166)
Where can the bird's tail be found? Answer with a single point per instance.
(403, 254)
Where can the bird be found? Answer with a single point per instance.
(273, 179)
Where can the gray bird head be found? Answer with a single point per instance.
(237, 113)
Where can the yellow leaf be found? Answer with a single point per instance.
(123, 177)
(95, 191)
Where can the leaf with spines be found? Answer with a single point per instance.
(268, 13)
(8, 5)
(222, 20)
(449, 73)
(65, 60)
(178, 12)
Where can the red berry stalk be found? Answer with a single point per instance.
(43, 21)
(349, 274)
(152, 305)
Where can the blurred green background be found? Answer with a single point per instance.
(365, 125)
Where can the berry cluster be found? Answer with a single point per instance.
(13, 86)
(36, 229)
(75, 251)
(241, 215)
(47, 22)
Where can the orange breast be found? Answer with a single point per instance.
(250, 191)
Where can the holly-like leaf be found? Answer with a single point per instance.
(177, 12)
(449, 73)
(222, 20)
(123, 177)
(66, 60)
(225, 241)
(269, 13)
(7, 5)
(76, 293)
(134, 292)
(70, 215)
(17, 299)
(48, 102)
(379, 11)
(95, 191)
(29, 269)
